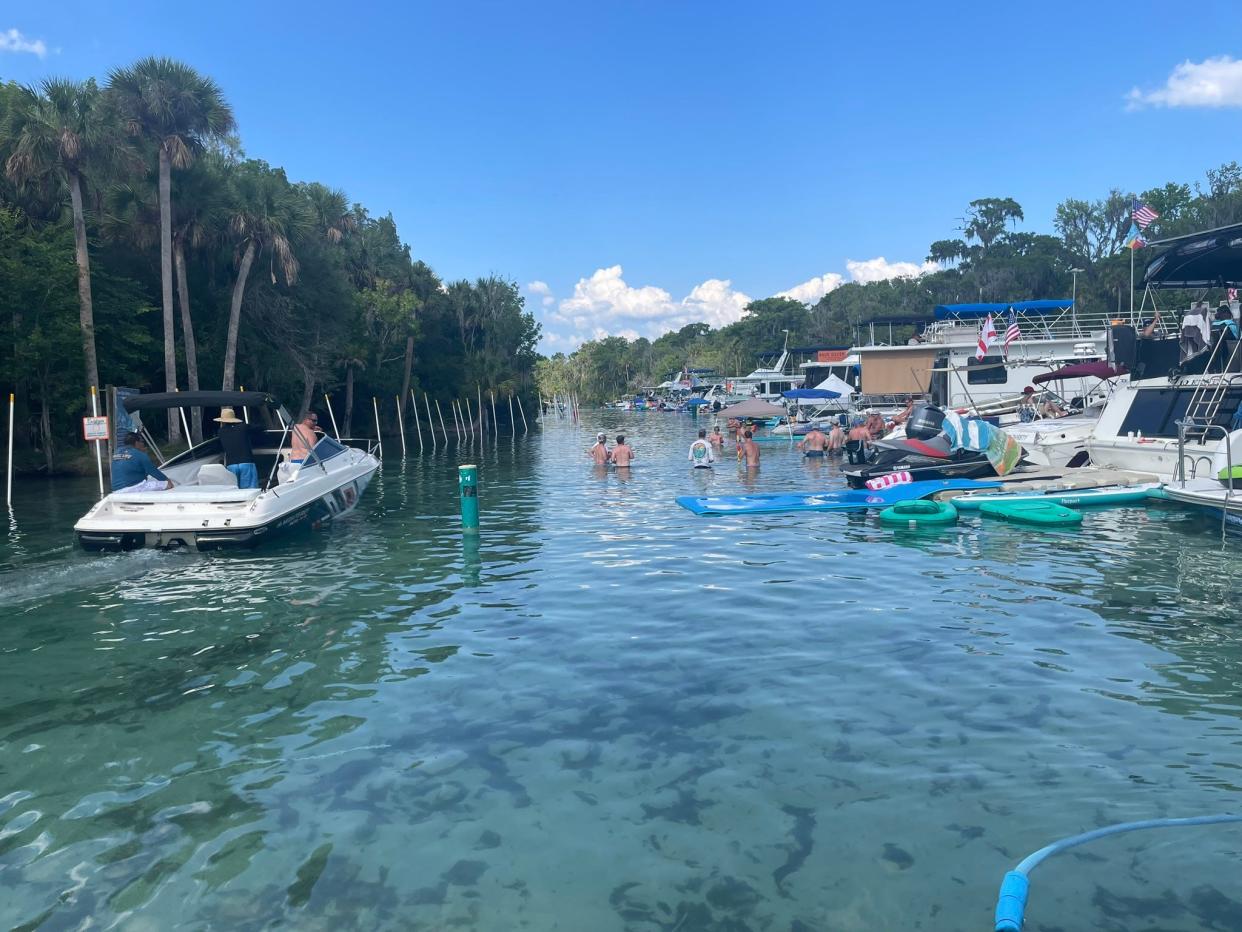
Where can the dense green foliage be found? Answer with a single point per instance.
(992, 260)
(253, 280)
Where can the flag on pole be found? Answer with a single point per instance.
(1142, 214)
(987, 336)
(1014, 332)
(1134, 239)
(1233, 294)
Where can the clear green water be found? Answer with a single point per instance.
(613, 715)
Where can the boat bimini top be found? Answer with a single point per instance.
(159, 401)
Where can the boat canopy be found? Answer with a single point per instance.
(811, 393)
(961, 311)
(1081, 370)
(162, 400)
(1208, 259)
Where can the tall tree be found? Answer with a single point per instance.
(267, 214)
(178, 111)
(52, 133)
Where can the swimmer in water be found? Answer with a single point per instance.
(701, 456)
(814, 443)
(622, 455)
(600, 452)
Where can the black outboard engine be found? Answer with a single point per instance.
(925, 422)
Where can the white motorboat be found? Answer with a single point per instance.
(205, 510)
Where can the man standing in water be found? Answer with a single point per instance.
(622, 455)
(814, 443)
(856, 445)
(748, 451)
(600, 452)
(701, 456)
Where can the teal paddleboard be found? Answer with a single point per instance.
(836, 500)
(1073, 498)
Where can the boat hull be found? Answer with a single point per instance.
(105, 529)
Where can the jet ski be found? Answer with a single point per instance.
(924, 452)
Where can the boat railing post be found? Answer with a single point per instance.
(327, 399)
(98, 453)
(185, 424)
(379, 438)
(1181, 452)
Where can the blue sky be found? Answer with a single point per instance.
(636, 165)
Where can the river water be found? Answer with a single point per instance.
(613, 715)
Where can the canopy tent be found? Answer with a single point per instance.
(810, 394)
(753, 407)
(695, 402)
(163, 400)
(1208, 259)
(963, 311)
(1081, 370)
(838, 385)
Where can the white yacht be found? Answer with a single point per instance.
(205, 510)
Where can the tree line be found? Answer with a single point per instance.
(140, 246)
(990, 259)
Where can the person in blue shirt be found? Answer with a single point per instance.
(132, 469)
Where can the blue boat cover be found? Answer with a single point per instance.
(810, 393)
(947, 311)
(835, 500)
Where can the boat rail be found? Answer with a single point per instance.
(1204, 430)
(1066, 325)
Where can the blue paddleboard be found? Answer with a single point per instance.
(836, 500)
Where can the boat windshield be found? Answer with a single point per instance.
(327, 448)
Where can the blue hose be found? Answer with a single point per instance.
(1011, 903)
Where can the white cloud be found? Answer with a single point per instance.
(542, 291)
(878, 269)
(1213, 82)
(604, 304)
(811, 290)
(11, 40)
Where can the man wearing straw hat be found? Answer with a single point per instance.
(238, 454)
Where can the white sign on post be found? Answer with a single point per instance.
(95, 428)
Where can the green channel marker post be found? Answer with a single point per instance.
(468, 482)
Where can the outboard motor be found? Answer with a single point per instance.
(925, 422)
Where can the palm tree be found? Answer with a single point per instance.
(179, 111)
(267, 215)
(53, 133)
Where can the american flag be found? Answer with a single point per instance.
(1013, 333)
(1233, 294)
(1143, 215)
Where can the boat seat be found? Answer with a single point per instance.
(186, 494)
(216, 474)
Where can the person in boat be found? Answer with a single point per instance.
(600, 453)
(716, 437)
(1027, 409)
(701, 455)
(814, 444)
(132, 469)
(303, 437)
(622, 454)
(748, 451)
(856, 442)
(238, 451)
(903, 416)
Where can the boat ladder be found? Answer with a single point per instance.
(1204, 405)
